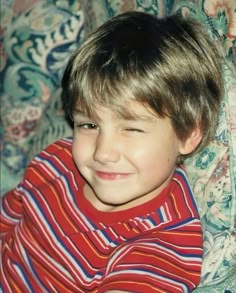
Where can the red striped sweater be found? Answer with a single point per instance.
(54, 240)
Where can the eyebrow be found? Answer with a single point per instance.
(143, 118)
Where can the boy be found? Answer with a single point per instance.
(111, 210)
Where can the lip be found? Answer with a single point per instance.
(111, 175)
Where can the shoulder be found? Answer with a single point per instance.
(157, 259)
(182, 196)
(180, 177)
(53, 162)
(60, 146)
(181, 186)
(57, 151)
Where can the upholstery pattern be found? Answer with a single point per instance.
(212, 173)
(97, 12)
(37, 39)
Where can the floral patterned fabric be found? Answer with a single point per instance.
(212, 173)
(38, 37)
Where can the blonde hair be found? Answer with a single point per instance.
(168, 64)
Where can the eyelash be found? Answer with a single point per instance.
(87, 126)
(134, 130)
(93, 126)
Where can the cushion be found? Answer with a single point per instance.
(212, 173)
(37, 38)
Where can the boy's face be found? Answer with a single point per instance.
(125, 162)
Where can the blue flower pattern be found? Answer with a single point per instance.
(205, 159)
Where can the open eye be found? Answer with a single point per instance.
(87, 126)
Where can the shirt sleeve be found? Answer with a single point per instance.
(165, 261)
(11, 211)
(12, 203)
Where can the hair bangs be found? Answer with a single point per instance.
(103, 89)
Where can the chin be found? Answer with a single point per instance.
(110, 199)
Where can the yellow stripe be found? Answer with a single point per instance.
(126, 227)
(94, 250)
(172, 265)
(141, 283)
(68, 152)
(184, 194)
(59, 204)
(175, 205)
(193, 234)
(50, 276)
(17, 288)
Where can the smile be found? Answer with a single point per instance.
(111, 175)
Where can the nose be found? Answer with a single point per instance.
(106, 149)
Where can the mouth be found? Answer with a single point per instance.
(112, 175)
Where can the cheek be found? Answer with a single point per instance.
(154, 158)
(144, 158)
(80, 151)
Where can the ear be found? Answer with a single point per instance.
(191, 143)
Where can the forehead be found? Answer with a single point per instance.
(133, 111)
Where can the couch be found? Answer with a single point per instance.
(37, 38)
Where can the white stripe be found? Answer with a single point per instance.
(59, 248)
(166, 280)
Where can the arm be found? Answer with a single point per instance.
(164, 261)
(11, 204)
(11, 211)
(116, 291)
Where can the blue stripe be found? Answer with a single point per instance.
(181, 173)
(26, 279)
(159, 212)
(55, 169)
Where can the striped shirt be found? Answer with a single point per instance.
(54, 240)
